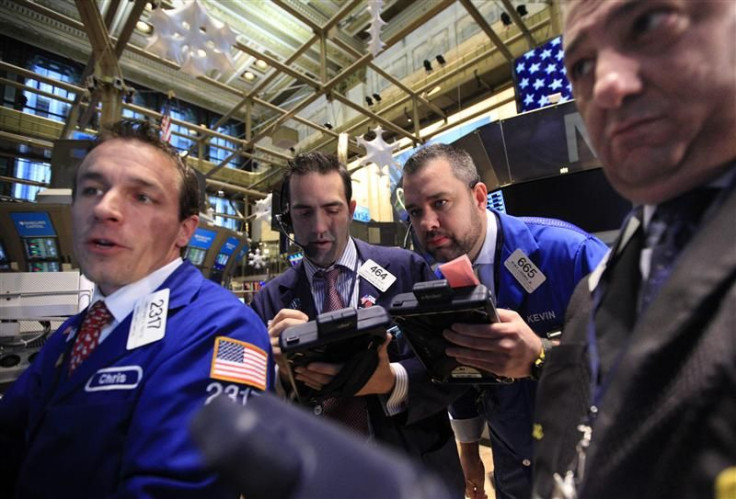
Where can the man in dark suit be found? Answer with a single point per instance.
(404, 409)
(639, 400)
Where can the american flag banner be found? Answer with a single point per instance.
(166, 122)
(239, 362)
(541, 73)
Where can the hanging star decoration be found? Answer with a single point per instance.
(375, 45)
(378, 151)
(263, 209)
(192, 38)
(256, 260)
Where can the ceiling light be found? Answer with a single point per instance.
(143, 27)
(248, 75)
(505, 19)
(427, 66)
(328, 125)
(377, 97)
(260, 63)
(434, 91)
(368, 100)
(441, 60)
(521, 9)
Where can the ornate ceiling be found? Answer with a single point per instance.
(303, 57)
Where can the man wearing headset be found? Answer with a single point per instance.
(402, 407)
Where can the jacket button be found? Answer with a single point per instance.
(526, 462)
(317, 409)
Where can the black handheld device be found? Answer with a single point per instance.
(430, 308)
(347, 336)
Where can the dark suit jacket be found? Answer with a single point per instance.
(665, 426)
(423, 430)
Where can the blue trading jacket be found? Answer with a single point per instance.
(565, 254)
(119, 426)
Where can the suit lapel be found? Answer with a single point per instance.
(664, 337)
(365, 288)
(183, 283)
(295, 292)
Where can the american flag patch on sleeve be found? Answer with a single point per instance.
(239, 362)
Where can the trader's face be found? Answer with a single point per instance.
(655, 82)
(448, 216)
(320, 215)
(125, 214)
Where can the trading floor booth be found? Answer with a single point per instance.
(35, 237)
(211, 249)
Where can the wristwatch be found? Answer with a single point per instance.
(538, 364)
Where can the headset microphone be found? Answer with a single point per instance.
(284, 229)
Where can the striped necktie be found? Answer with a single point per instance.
(350, 411)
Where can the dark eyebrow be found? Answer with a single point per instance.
(301, 206)
(88, 175)
(621, 10)
(98, 177)
(433, 197)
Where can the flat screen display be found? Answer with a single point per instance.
(41, 248)
(4, 263)
(295, 258)
(221, 261)
(196, 255)
(43, 267)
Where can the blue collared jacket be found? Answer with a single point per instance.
(565, 254)
(119, 425)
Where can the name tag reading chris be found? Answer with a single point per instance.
(149, 319)
(381, 278)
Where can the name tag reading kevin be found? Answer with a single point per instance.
(381, 278)
(149, 319)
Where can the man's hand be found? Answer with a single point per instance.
(506, 348)
(474, 470)
(383, 380)
(285, 318)
(318, 374)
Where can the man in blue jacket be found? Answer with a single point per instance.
(104, 410)
(532, 266)
(402, 407)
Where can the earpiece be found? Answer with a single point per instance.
(283, 219)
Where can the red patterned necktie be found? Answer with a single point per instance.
(350, 411)
(98, 316)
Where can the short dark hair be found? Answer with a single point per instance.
(148, 133)
(318, 162)
(461, 162)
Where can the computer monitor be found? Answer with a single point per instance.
(227, 249)
(40, 242)
(199, 245)
(40, 248)
(4, 260)
(221, 261)
(295, 258)
(195, 255)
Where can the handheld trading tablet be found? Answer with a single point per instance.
(433, 306)
(347, 336)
